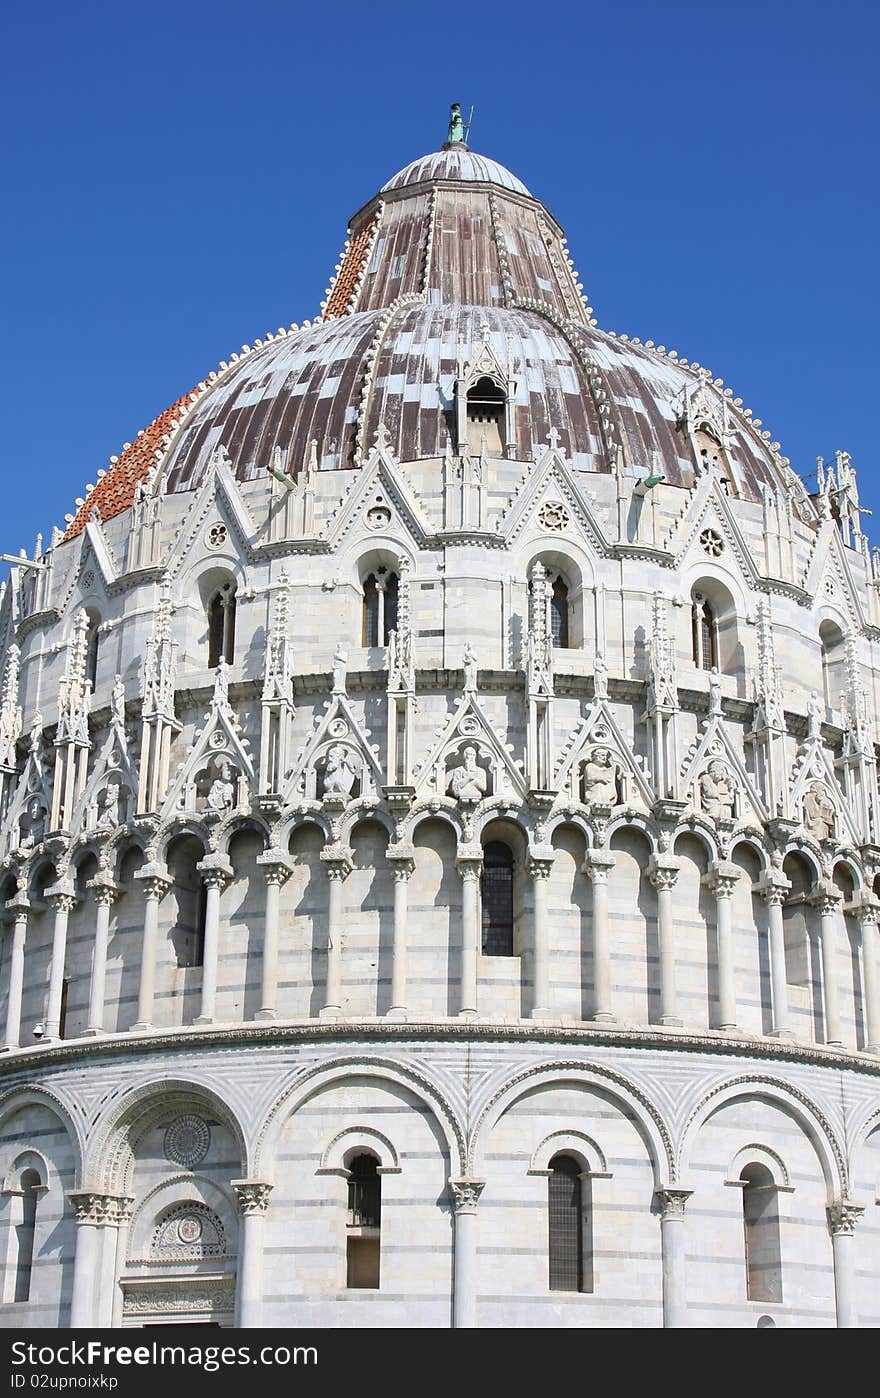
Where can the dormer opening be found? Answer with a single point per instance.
(486, 408)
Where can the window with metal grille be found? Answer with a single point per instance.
(496, 890)
(362, 1249)
(704, 633)
(566, 1225)
(485, 417)
(559, 614)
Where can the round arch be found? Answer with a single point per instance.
(19, 1097)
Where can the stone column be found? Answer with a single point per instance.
(868, 909)
(105, 893)
(597, 867)
(673, 1238)
(337, 862)
(540, 868)
(402, 860)
(124, 1211)
(470, 864)
(826, 896)
(465, 1197)
(253, 1198)
(156, 883)
(216, 871)
(93, 1212)
(277, 869)
(663, 872)
(721, 881)
(18, 907)
(842, 1219)
(774, 889)
(62, 899)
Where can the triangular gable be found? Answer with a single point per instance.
(713, 743)
(113, 758)
(33, 785)
(338, 727)
(552, 473)
(218, 744)
(379, 477)
(599, 728)
(469, 725)
(93, 555)
(218, 493)
(709, 507)
(829, 564)
(815, 763)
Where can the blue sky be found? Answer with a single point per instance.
(178, 179)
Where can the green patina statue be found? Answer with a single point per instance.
(456, 125)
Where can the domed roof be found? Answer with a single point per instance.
(455, 162)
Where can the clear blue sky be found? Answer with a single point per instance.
(178, 179)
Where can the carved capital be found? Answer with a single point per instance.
(338, 860)
(598, 864)
(401, 857)
(156, 880)
(774, 888)
(99, 1209)
(18, 907)
(825, 896)
(672, 1201)
(104, 891)
(276, 866)
(540, 867)
(252, 1195)
(466, 1194)
(216, 871)
(663, 871)
(61, 898)
(843, 1217)
(722, 878)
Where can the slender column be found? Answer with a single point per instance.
(62, 899)
(465, 1197)
(673, 1239)
(470, 864)
(19, 908)
(125, 1208)
(156, 884)
(663, 873)
(721, 881)
(842, 1219)
(216, 873)
(540, 869)
(774, 889)
(105, 894)
(253, 1199)
(868, 910)
(401, 858)
(597, 867)
(826, 897)
(277, 869)
(337, 862)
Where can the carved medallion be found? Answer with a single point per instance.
(187, 1141)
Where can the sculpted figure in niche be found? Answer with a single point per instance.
(600, 677)
(117, 702)
(469, 664)
(468, 783)
(221, 796)
(815, 716)
(32, 824)
(108, 805)
(717, 793)
(341, 772)
(819, 812)
(600, 778)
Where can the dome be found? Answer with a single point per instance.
(455, 163)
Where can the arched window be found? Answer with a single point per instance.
(31, 1188)
(496, 890)
(486, 404)
(221, 626)
(559, 614)
(364, 1222)
(570, 1226)
(704, 628)
(380, 607)
(833, 663)
(761, 1225)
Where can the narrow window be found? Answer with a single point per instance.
(24, 1234)
(761, 1225)
(379, 608)
(570, 1226)
(704, 633)
(496, 889)
(559, 614)
(363, 1223)
(221, 626)
(485, 417)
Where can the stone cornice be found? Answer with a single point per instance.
(277, 1033)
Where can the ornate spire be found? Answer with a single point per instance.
(854, 699)
(768, 695)
(661, 659)
(539, 641)
(10, 709)
(75, 691)
(278, 668)
(401, 648)
(159, 664)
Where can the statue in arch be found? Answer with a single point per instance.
(600, 778)
(468, 782)
(221, 796)
(108, 805)
(819, 812)
(32, 824)
(717, 792)
(341, 772)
